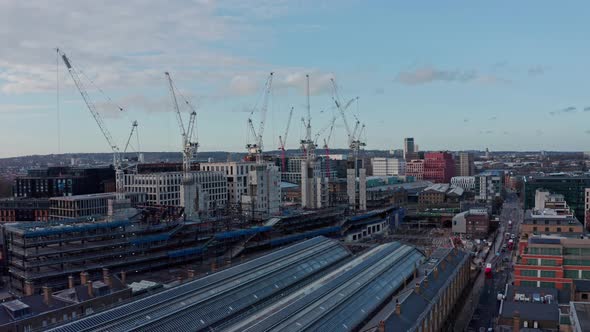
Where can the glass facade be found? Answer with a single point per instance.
(571, 187)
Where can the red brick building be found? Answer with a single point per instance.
(415, 168)
(552, 262)
(24, 209)
(439, 167)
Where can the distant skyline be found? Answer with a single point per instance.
(456, 75)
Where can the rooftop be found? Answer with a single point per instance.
(581, 315)
(532, 303)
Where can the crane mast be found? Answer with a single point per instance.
(117, 160)
(283, 141)
(308, 144)
(188, 147)
(255, 148)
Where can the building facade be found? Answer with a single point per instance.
(410, 150)
(489, 185)
(382, 166)
(165, 188)
(466, 164)
(474, 222)
(24, 209)
(549, 222)
(465, 182)
(573, 189)
(439, 167)
(263, 195)
(64, 181)
(92, 205)
(552, 261)
(415, 168)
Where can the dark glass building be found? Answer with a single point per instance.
(571, 187)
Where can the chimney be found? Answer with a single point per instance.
(415, 273)
(190, 273)
(435, 273)
(123, 278)
(179, 279)
(47, 295)
(70, 281)
(29, 288)
(516, 322)
(213, 266)
(381, 327)
(443, 265)
(398, 308)
(426, 282)
(89, 286)
(106, 276)
(83, 278)
(417, 288)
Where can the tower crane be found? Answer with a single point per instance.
(117, 161)
(326, 142)
(133, 130)
(354, 142)
(189, 147)
(307, 144)
(255, 149)
(283, 141)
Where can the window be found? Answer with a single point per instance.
(584, 296)
(548, 262)
(548, 274)
(585, 274)
(528, 273)
(527, 283)
(547, 284)
(574, 274)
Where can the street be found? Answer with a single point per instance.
(482, 305)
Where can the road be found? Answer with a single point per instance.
(484, 292)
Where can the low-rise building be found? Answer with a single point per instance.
(529, 307)
(465, 182)
(440, 194)
(473, 222)
(24, 209)
(415, 168)
(91, 205)
(548, 221)
(580, 316)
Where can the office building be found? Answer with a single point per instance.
(24, 209)
(92, 205)
(544, 200)
(466, 164)
(438, 167)
(410, 151)
(382, 166)
(415, 169)
(165, 188)
(465, 182)
(548, 221)
(64, 181)
(529, 308)
(572, 187)
(489, 185)
(552, 261)
(325, 167)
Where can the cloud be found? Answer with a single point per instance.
(466, 120)
(505, 132)
(587, 131)
(429, 74)
(493, 118)
(24, 108)
(536, 70)
(569, 109)
(539, 132)
(379, 91)
(486, 132)
(587, 109)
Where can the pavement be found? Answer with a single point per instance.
(481, 307)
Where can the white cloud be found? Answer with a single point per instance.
(429, 74)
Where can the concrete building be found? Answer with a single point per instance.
(92, 205)
(466, 165)
(64, 181)
(544, 200)
(465, 182)
(237, 177)
(263, 193)
(474, 222)
(24, 209)
(356, 188)
(439, 167)
(548, 221)
(552, 261)
(489, 185)
(572, 187)
(314, 186)
(166, 188)
(415, 168)
(388, 166)
(440, 194)
(293, 172)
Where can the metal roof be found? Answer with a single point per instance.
(205, 302)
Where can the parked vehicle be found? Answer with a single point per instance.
(488, 271)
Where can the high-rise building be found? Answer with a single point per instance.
(439, 167)
(489, 185)
(388, 166)
(466, 165)
(409, 149)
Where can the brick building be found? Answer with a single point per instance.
(24, 209)
(415, 168)
(439, 167)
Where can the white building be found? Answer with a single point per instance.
(489, 185)
(165, 188)
(465, 182)
(314, 186)
(263, 195)
(388, 166)
(237, 177)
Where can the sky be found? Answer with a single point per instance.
(457, 75)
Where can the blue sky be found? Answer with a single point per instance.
(455, 75)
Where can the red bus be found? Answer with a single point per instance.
(488, 270)
(510, 244)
